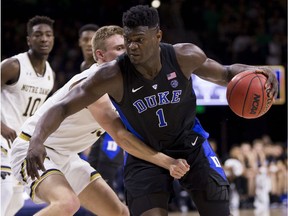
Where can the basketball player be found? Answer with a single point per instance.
(65, 181)
(86, 33)
(150, 86)
(104, 155)
(26, 81)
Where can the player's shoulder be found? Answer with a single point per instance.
(188, 49)
(189, 52)
(189, 57)
(11, 64)
(122, 64)
(114, 65)
(14, 61)
(10, 70)
(79, 77)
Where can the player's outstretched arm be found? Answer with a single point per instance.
(219, 74)
(110, 121)
(193, 60)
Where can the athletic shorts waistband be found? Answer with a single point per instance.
(24, 136)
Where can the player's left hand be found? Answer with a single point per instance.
(271, 85)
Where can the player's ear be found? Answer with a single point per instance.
(28, 41)
(99, 54)
(159, 35)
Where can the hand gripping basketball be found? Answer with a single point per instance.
(246, 95)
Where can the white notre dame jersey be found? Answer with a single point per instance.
(77, 132)
(21, 99)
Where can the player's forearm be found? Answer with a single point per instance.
(137, 148)
(237, 68)
(130, 143)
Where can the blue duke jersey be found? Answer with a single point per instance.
(157, 111)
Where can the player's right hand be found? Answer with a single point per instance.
(8, 133)
(35, 157)
(179, 168)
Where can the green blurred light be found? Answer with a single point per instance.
(200, 109)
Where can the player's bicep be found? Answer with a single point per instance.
(10, 70)
(189, 57)
(212, 71)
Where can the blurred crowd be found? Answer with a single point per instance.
(252, 32)
(257, 172)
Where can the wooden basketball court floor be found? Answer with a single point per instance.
(243, 212)
(30, 209)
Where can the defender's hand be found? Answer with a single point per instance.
(179, 168)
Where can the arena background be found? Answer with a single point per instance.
(229, 31)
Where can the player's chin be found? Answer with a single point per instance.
(44, 51)
(135, 59)
(89, 52)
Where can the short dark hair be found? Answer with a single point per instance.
(99, 37)
(88, 27)
(36, 20)
(141, 15)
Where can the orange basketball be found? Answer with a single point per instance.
(246, 95)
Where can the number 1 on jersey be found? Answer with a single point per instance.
(161, 118)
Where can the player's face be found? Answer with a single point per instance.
(142, 43)
(114, 47)
(85, 43)
(41, 40)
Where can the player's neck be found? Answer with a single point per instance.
(150, 69)
(38, 63)
(89, 60)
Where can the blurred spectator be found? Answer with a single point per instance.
(234, 171)
(262, 182)
(250, 170)
(277, 171)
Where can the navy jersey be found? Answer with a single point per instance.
(157, 111)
